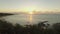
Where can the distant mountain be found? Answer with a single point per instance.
(5, 14)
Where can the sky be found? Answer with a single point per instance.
(29, 5)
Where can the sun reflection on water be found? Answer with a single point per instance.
(30, 18)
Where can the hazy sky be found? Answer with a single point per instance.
(29, 5)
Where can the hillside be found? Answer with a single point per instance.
(5, 14)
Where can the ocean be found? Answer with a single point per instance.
(24, 19)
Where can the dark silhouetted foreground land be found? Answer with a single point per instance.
(40, 28)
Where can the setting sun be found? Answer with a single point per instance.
(30, 12)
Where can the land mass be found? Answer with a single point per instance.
(5, 14)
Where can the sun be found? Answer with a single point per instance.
(30, 11)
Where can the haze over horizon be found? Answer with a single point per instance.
(29, 5)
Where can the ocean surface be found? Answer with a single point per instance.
(33, 19)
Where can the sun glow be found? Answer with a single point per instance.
(30, 12)
(30, 16)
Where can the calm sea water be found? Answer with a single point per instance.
(33, 19)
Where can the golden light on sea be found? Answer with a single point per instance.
(30, 17)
